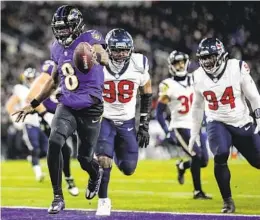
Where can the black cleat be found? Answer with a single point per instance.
(57, 205)
(73, 190)
(180, 172)
(201, 195)
(229, 206)
(93, 185)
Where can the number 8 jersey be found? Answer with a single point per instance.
(180, 95)
(223, 96)
(120, 89)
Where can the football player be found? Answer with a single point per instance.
(46, 111)
(126, 74)
(176, 93)
(33, 136)
(220, 88)
(81, 102)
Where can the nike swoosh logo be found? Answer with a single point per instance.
(93, 121)
(130, 129)
(247, 128)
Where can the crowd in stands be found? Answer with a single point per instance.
(157, 28)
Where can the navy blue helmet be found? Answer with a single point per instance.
(174, 59)
(212, 55)
(119, 45)
(67, 24)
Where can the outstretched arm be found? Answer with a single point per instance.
(45, 93)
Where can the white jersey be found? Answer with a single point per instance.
(120, 90)
(224, 98)
(180, 95)
(22, 92)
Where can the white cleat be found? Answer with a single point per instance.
(73, 190)
(40, 178)
(104, 207)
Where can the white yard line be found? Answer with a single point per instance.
(149, 212)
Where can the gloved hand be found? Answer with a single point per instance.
(143, 136)
(257, 129)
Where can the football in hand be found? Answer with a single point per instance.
(84, 57)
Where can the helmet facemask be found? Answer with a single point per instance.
(67, 28)
(178, 64)
(213, 63)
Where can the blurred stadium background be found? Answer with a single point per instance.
(157, 28)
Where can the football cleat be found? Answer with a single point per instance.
(57, 205)
(73, 190)
(40, 178)
(229, 206)
(201, 195)
(104, 207)
(93, 185)
(180, 172)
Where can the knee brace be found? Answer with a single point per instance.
(127, 167)
(221, 159)
(105, 162)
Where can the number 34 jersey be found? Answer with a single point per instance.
(120, 90)
(223, 96)
(180, 95)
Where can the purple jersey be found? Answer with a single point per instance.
(51, 103)
(77, 88)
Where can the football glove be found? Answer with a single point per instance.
(143, 136)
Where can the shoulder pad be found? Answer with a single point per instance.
(140, 62)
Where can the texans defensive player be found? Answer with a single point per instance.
(46, 111)
(220, 88)
(33, 136)
(81, 104)
(176, 93)
(126, 73)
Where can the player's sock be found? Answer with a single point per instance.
(222, 175)
(38, 172)
(186, 164)
(102, 193)
(66, 160)
(55, 165)
(195, 172)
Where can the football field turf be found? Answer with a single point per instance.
(152, 188)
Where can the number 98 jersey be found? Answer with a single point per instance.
(180, 95)
(120, 90)
(223, 95)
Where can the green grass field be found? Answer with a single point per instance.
(152, 187)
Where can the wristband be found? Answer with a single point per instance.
(35, 103)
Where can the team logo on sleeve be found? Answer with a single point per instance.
(96, 35)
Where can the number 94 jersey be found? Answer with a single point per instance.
(223, 95)
(120, 90)
(180, 95)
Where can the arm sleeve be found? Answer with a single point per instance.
(49, 66)
(161, 107)
(249, 87)
(197, 112)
